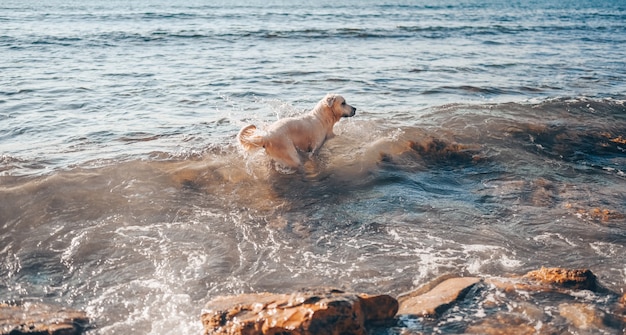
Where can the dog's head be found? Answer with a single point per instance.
(338, 106)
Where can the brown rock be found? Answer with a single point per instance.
(544, 193)
(324, 311)
(582, 316)
(435, 150)
(438, 299)
(38, 318)
(619, 139)
(549, 280)
(620, 310)
(580, 279)
(503, 324)
(511, 285)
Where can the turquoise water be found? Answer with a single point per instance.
(488, 140)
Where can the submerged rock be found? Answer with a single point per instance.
(504, 324)
(38, 318)
(582, 316)
(323, 311)
(438, 299)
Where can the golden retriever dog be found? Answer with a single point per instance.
(284, 140)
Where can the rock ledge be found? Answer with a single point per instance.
(37, 318)
(320, 311)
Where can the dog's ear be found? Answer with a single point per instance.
(330, 99)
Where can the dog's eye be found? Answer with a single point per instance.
(343, 103)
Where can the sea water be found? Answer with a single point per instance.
(489, 140)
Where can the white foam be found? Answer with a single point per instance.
(607, 249)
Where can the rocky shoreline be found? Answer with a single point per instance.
(41, 319)
(502, 304)
(505, 308)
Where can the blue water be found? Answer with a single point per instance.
(489, 139)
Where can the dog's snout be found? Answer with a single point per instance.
(353, 111)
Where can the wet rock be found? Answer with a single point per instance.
(502, 324)
(38, 318)
(438, 299)
(583, 316)
(323, 311)
(544, 193)
(530, 311)
(510, 285)
(434, 150)
(549, 280)
(619, 139)
(620, 311)
(579, 279)
(497, 305)
(604, 215)
(588, 317)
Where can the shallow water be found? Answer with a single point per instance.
(489, 140)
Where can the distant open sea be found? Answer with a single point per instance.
(490, 139)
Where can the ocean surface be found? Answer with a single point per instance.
(489, 140)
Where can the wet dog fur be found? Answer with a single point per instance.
(284, 140)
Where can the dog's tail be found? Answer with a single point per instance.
(249, 138)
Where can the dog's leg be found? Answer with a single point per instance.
(292, 158)
(284, 153)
